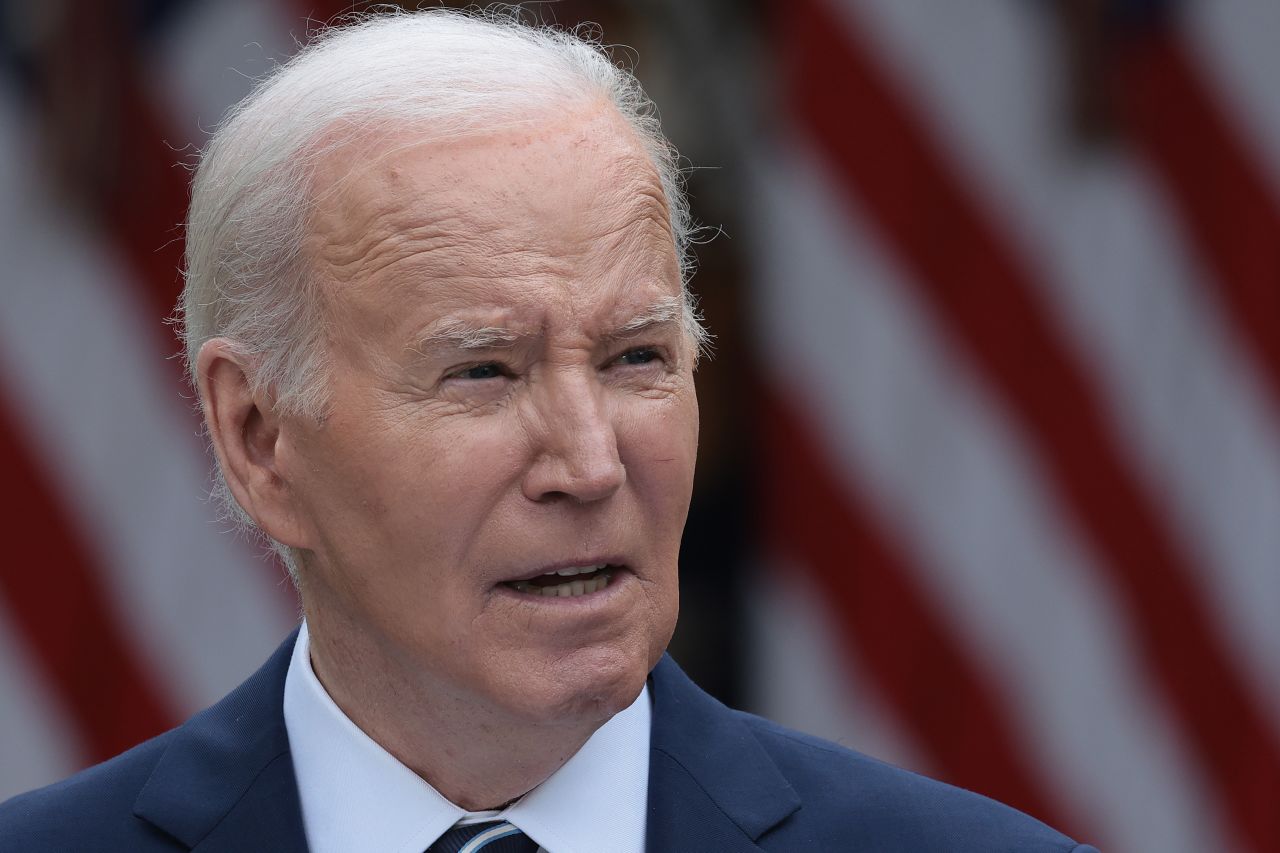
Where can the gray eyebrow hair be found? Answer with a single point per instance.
(669, 309)
(456, 333)
(460, 335)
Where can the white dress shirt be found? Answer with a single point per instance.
(357, 797)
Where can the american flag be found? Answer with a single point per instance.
(1013, 280)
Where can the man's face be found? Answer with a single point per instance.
(512, 396)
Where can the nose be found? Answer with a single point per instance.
(576, 456)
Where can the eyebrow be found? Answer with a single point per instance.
(458, 334)
(666, 311)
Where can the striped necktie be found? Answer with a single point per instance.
(492, 837)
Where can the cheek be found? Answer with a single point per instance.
(408, 493)
(450, 479)
(659, 447)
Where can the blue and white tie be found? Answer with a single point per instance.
(491, 837)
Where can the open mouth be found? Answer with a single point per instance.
(569, 582)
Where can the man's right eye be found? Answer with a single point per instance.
(489, 370)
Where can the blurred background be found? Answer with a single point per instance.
(989, 481)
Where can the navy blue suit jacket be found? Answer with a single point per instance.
(719, 780)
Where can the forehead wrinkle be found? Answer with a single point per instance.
(638, 198)
(376, 249)
(375, 221)
(649, 199)
(404, 229)
(647, 224)
(635, 254)
(506, 257)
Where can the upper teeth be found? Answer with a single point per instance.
(568, 588)
(576, 570)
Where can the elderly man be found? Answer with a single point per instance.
(437, 317)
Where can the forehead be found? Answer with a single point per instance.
(565, 206)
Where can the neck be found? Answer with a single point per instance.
(474, 754)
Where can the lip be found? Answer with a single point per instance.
(614, 561)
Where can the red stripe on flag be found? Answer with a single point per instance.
(1211, 180)
(943, 696)
(146, 206)
(985, 298)
(57, 600)
(118, 158)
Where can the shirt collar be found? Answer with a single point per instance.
(356, 796)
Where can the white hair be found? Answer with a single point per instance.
(443, 74)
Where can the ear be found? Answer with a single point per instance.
(246, 435)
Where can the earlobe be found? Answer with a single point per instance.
(245, 431)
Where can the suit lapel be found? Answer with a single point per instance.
(225, 783)
(226, 780)
(711, 784)
(267, 816)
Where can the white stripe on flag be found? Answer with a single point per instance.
(38, 743)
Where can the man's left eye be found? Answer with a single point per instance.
(644, 355)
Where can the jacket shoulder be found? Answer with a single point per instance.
(92, 810)
(848, 795)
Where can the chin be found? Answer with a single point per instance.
(587, 686)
